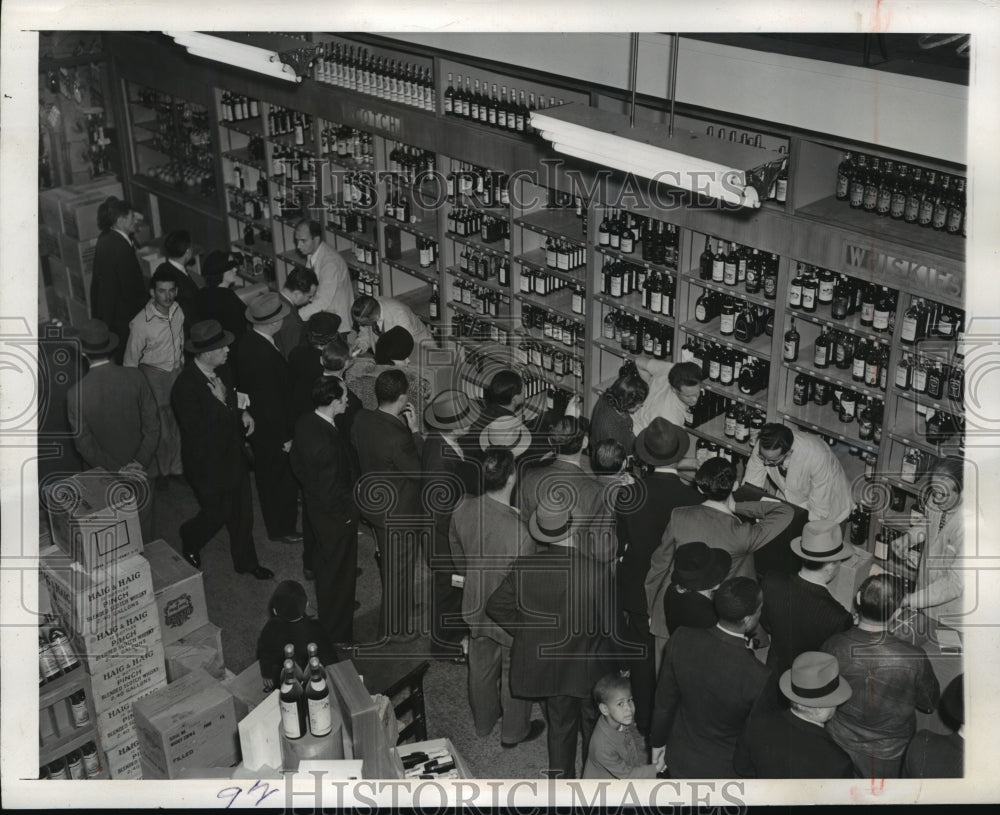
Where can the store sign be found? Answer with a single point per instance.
(375, 120)
(909, 275)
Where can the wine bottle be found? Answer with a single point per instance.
(318, 700)
(845, 171)
(795, 289)
(705, 261)
(718, 264)
(867, 317)
(292, 703)
(434, 304)
(810, 290)
(872, 178)
(449, 98)
(904, 370)
(856, 187)
(730, 263)
(791, 344)
(880, 314)
(900, 187)
(858, 362)
(800, 390)
(727, 321)
(821, 356)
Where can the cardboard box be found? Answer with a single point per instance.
(260, 734)
(361, 723)
(79, 285)
(124, 636)
(79, 214)
(202, 649)
(191, 723)
(60, 277)
(50, 206)
(127, 678)
(123, 760)
(90, 602)
(79, 311)
(150, 258)
(78, 254)
(179, 592)
(48, 242)
(248, 690)
(116, 723)
(93, 518)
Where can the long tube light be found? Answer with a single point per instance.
(686, 161)
(239, 55)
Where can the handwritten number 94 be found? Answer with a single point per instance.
(262, 788)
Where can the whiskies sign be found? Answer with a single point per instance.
(910, 275)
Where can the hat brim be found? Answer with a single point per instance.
(843, 554)
(649, 457)
(463, 423)
(283, 312)
(832, 699)
(544, 537)
(108, 347)
(717, 571)
(518, 449)
(227, 339)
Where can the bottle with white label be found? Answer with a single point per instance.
(292, 703)
(318, 700)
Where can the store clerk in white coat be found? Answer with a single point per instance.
(376, 315)
(802, 469)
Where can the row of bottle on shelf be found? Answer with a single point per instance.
(469, 221)
(553, 327)
(705, 449)
(623, 231)
(875, 305)
(620, 279)
(538, 282)
(304, 702)
(742, 423)
(928, 320)
(549, 359)
(847, 404)
(479, 298)
(397, 204)
(369, 283)
(940, 427)
(253, 234)
(394, 80)
(237, 107)
(903, 192)
(512, 113)
(490, 186)
(410, 162)
(757, 271)
(77, 765)
(485, 265)
(253, 264)
(346, 142)
(637, 335)
(867, 360)
(283, 122)
(55, 655)
(364, 253)
(737, 318)
(727, 365)
(349, 219)
(936, 379)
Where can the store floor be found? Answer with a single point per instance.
(238, 605)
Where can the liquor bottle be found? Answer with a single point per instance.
(867, 317)
(289, 654)
(900, 187)
(910, 465)
(729, 273)
(727, 321)
(845, 171)
(78, 708)
(795, 289)
(910, 331)
(292, 703)
(946, 323)
(626, 238)
(791, 345)
(883, 306)
(956, 383)
(434, 304)
(770, 278)
(810, 291)
(521, 114)
(705, 261)
(754, 274)
(936, 378)
(856, 187)
(503, 109)
(91, 763)
(705, 307)
(827, 288)
(61, 648)
(800, 390)
(614, 231)
(872, 179)
(956, 208)
(821, 356)
(872, 364)
(885, 187)
(718, 264)
(911, 212)
(449, 98)
(48, 662)
(928, 195)
(848, 406)
(904, 371)
(318, 700)
(729, 425)
(919, 380)
(493, 107)
(842, 350)
(859, 360)
(942, 202)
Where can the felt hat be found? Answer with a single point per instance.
(322, 327)
(814, 680)
(96, 338)
(266, 309)
(395, 344)
(207, 336)
(449, 410)
(550, 525)
(506, 431)
(821, 541)
(217, 264)
(662, 443)
(698, 567)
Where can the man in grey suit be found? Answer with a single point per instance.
(114, 416)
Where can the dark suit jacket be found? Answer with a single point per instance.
(306, 366)
(389, 451)
(187, 295)
(290, 334)
(449, 476)
(114, 417)
(689, 609)
(322, 462)
(933, 755)
(779, 744)
(117, 291)
(708, 683)
(264, 375)
(800, 616)
(640, 531)
(211, 433)
(551, 604)
(222, 304)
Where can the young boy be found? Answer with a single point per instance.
(616, 748)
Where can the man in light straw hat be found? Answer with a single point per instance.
(794, 743)
(265, 376)
(799, 612)
(556, 606)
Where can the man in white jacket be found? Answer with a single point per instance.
(334, 293)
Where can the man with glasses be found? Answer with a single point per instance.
(800, 468)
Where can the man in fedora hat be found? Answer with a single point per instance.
(486, 535)
(894, 679)
(794, 743)
(660, 446)
(264, 375)
(707, 686)
(215, 462)
(113, 414)
(449, 475)
(799, 612)
(556, 606)
(698, 571)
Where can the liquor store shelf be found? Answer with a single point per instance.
(535, 260)
(732, 291)
(833, 375)
(715, 430)
(204, 205)
(248, 127)
(758, 347)
(558, 302)
(241, 155)
(262, 248)
(538, 335)
(257, 224)
(632, 303)
(424, 228)
(288, 140)
(733, 392)
(352, 262)
(472, 199)
(61, 687)
(617, 350)
(635, 258)
(349, 163)
(906, 433)
(293, 257)
(914, 489)
(948, 405)
(367, 237)
(462, 308)
(821, 419)
(476, 242)
(850, 324)
(409, 262)
(554, 223)
(59, 747)
(478, 281)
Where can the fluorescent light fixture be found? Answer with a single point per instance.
(737, 174)
(237, 54)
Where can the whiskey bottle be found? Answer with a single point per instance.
(705, 261)
(821, 356)
(845, 172)
(791, 344)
